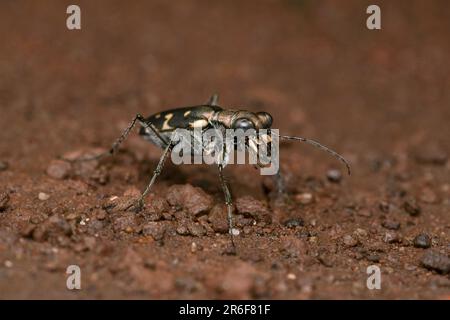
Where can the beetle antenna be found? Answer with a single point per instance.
(320, 146)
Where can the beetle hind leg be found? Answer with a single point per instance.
(138, 118)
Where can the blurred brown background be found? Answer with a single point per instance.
(378, 97)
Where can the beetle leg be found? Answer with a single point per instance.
(279, 182)
(213, 100)
(140, 203)
(122, 138)
(229, 203)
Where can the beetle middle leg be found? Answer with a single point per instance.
(139, 205)
(229, 203)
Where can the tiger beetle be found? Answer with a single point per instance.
(160, 127)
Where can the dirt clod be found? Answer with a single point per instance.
(193, 199)
(293, 247)
(126, 221)
(154, 229)
(4, 200)
(155, 208)
(249, 206)
(436, 261)
(218, 219)
(196, 229)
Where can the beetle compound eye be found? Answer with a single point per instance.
(243, 124)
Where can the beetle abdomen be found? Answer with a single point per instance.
(181, 118)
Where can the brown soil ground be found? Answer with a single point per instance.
(380, 98)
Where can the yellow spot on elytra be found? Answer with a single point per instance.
(166, 122)
(199, 123)
(158, 116)
(187, 113)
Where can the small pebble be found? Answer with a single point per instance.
(391, 237)
(3, 165)
(129, 229)
(291, 276)
(8, 264)
(304, 198)
(334, 175)
(361, 233)
(294, 222)
(43, 196)
(349, 241)
(4, 199)
(182, 230)
(422, 241)
(391, 224)
(59, 169)
(235, 232)
(196, 230)
(154, 229)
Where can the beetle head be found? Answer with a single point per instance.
(246, 120)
